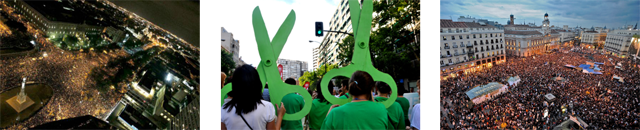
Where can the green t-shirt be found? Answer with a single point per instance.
(395, 114)
(404, 102)
(293, 103)
(364, 115)
(344, 96)
(318, 113)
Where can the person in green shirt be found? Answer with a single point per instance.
(344, 94)
(395, 112)
(292, 103)
(361, 112)
(404, 102)
(319, 108)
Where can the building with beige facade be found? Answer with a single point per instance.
(527, 40)
(619, 42)
(466, 47)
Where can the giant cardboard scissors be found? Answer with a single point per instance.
(267, 68)
(361, 60)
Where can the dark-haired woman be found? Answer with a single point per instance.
(319, 107)
(361, 112)
(396, 114)
(245, 109)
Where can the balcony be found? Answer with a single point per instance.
(447, 47)
(469, 45)
(470, 52)
(455, 46)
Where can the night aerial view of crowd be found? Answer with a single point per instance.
(93, 64)
(600, 100)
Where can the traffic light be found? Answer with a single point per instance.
(318, 31)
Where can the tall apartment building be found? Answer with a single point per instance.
(526, 40)
(316, 54)
(292, 68)
(469, 46)
(328, 49)
(231, 45)
(619, 42)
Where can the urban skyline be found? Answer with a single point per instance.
(613, 14)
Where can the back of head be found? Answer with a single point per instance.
(246, 90)
(290, 81)
(383, 87)
(320, 95)
(401, 90)
(361, 83)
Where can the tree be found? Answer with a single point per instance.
(313, 76)
(395, 44)
(346, 50)
(227, 63)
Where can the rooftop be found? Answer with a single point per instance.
(522, 32)
(63, 11)
(477, 25)
(447, 23)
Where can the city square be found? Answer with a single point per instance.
(527, 75)
(87, 70)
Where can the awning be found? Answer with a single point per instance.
(483, 89)
(570, 66)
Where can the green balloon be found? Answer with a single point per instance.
(361, 59)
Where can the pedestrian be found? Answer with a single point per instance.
(293, 103)
(361, 112)
(245, 109)
(404, 103)
(319, 107)
(394, 112)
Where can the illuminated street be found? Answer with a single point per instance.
(72, 73)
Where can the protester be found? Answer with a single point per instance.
(319, 107)
(293, 103)
(344, 94)
(395, 112)
(415, 113)
(223, 76)
(244, 109)
(361, 112)
(265, 93)
(404, 103)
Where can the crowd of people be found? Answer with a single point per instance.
(599, 100)
(74, 93)
(245, 107)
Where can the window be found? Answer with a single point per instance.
(491, 35)
(458, 61)
(485, 35)
(448, 53)
(476, 49)
(450, 61)
(453, 37)
(475, 42)
(444, 38)
(474, 36)
(441, 62)
(480, 35)
(467, 36)
(465, 58)
(476, 56)
(460, 36)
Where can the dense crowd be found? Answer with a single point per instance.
(74, 92)
(599, 100)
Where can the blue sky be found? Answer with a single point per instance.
(598, 13)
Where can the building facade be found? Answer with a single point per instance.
(527, 40)
(619, 42)
(328, 49)
(316, 56)
(292, 68)
(231, 45)
(41, 16)
(469, 46)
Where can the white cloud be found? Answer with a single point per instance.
(236, 19)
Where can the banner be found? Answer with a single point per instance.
(414, 98)
(280, 68)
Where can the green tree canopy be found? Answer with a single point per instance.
(313, 76)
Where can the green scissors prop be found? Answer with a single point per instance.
(361, 60)
(267, 68)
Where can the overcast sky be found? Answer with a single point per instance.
(585, 13)
(236, 19)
